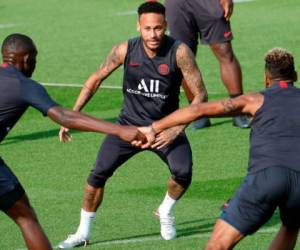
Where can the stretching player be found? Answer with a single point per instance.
(273, 178)
(17, 93)
(154, 65)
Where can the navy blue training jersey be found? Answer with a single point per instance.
(275, 134)
(150, 85)
(17, 93)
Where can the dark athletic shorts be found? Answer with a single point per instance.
(258, 197)
(114, 152)
(10, 188)
(189, 18)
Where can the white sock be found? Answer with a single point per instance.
(86, 221)
(167, 205)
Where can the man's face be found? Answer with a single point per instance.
(152, 27)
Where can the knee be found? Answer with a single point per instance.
(223, 52)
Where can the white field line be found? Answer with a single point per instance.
(76, 85)
(270, 230)
(158, 238)
(7, 25)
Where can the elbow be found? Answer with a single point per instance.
(197, 111)
(61, 116)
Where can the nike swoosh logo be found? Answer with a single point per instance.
(134, 64)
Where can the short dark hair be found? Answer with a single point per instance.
(152, 7)
(280, 64)
(18, 42)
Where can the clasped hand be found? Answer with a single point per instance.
(157, 140)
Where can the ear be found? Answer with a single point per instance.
(138, 27)
(25, 58)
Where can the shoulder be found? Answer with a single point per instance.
(184, 55)
(121, 47)
(251, 102)
(31, 86)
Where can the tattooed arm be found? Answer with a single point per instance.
(115, 58)
(191, 73)
(244, 104)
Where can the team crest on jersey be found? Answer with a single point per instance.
(163, 69)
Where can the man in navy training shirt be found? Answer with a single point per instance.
(273, 178)
(17, 93)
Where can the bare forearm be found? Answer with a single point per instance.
(180, 117)
(227, 107)
(88, 90)
(80, 121)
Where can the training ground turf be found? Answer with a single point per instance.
(73, 38)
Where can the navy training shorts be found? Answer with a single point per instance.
(10, 188)
(114, 152)
(187, 19)
(258, 197)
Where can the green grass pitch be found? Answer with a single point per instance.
(73, 38)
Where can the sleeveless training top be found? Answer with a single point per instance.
(275, 134)
(150, 85)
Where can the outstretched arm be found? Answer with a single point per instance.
(80, 121)
(246, 104)
(115, 58)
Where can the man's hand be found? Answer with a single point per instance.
(64, 135)
(166, 137)
(149, 134)
(227, 6)
(133, 135)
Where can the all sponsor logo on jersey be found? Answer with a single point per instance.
(153, 86)
(148, 89)
(163, 69)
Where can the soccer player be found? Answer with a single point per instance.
(210, 19)
(154, 65)
(17, 93)
(273, 178)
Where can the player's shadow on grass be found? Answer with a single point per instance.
(184, 229)
(34, 136)
(40, 135)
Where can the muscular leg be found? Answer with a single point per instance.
(24, 216)
(223, 237)
(231, 76)
(230, 69)
(285, 239)
(175, 190)
(92, 198)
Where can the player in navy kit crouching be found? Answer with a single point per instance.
(17, 93)
(154, 65)
(273, 179)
